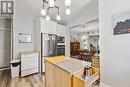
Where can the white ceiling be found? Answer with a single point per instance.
(33, 7)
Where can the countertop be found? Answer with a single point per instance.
(68, 64)
(29, 52)
(56, 59)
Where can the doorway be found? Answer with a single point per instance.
(5, 42)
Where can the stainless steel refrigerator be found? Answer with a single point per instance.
(48, 47)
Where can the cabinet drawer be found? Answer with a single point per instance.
(78, 81)
(29, 62)
(28, 72)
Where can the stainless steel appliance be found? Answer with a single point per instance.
(60, 45)
(49, 45)
(60, 39)
(60, 50)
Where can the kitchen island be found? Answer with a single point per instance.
(64, 72)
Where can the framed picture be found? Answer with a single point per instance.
(122, 23)
(25, 38)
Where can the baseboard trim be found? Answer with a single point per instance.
(4, 68)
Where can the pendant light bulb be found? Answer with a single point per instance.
(51, 3)
(47, 18)
(58, 17)
(68, 11)
(43, 12)
(67, 2)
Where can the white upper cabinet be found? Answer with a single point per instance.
(61, 30)
(52, 27)
(43, 25)
(48, 26)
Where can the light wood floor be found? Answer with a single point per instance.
(35, 80)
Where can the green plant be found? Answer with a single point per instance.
(91, 46)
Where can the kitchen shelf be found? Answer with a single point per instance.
(78, 81)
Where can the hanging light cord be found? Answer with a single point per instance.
(53, 6)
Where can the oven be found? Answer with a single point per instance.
(60, 50)
(60, 46)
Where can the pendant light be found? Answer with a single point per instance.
(51, 3)
(58, 15)
(43, 11)
(58, 18)
(67, 2)
(47, 16)
(68, 11)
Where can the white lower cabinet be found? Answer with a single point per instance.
(29, 63)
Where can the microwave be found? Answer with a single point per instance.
(60, 39)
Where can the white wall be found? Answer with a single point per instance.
(115, 51)
(74, 36)
(23, 24)
(87, 13)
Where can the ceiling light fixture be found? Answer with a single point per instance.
(47, 16)
(50, 5)
(68, 11)
(58, 18)
(58, 15)
(67, 2)
(43, 12)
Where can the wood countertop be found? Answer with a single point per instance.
(68, 64)
(63, 71)
(56, 59)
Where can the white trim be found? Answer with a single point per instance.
(5, 68)
(104, 85)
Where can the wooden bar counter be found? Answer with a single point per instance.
(61, 71)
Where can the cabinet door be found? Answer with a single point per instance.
(51, 27)
(43, 25)
(29, 62)
(61, 30)
(48, 26)
(56, 77)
